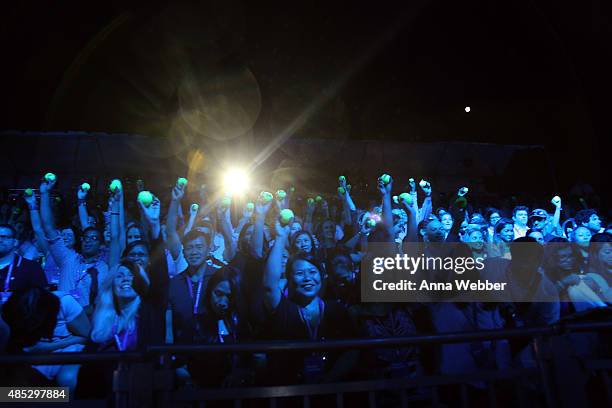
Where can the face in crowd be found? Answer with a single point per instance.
(8, 242)
(305, 279)
(220, 299)
(582, 237)
(196, 252)
(68, 237)
(139, 254)
(507, 233)
(133, 234)
(91, 242)
(329, 230)
(594, 223)
(493, 218)
(434, 232)
(475, 240)
(521, 217)
(123, 282)
(537, 235)
(447, 221)
(303, 243)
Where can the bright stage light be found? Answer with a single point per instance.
(467, 109)
(235, 181)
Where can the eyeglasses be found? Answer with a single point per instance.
(87, 238)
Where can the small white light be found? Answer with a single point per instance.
(467, 109)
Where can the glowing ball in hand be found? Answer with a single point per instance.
(318, 198)
(28, 192)
(50, 177)
(115, 186)
(181, 182)
(145, 198)
(250, 206)
(385, 178)
(556, 200)
(85, 187)
(341, 179)
(286, 216)
(266, 197)
(310, 201)
(341, 190)
(406, 197)
(226, 201)
(194, 207)
(423, 183)
(281, 194)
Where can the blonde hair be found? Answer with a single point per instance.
(108, 312)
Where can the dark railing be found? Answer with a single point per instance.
(163, 392)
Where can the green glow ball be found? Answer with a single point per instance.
(310, 200)
(341, 179)
(286, 216)
(385, 178)
(411, 180)
(226, 201)
(250, 206)
(181, 182)
(292, 189)
(348, 187)
(115, 185)
(371, 222)
(407, 197)
(194, 207)
(266, 197)
(423, 183)
(85, 187)
(281, 194)
(145, 197)
(50, 177)
(28, 192)
(318, 198)
(341, 190)
(396, 199)
(556, 200)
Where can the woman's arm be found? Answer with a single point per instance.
(273, 268)
(114, 255)
(225, 225)
(257, 239)
(174, 241)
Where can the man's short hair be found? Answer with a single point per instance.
(11, 228)
(583, 216)
(195, 234)
(520, 208)
(92, 228)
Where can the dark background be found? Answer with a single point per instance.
(238, 73)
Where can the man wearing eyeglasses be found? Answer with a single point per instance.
(16, 272)
(80, 273)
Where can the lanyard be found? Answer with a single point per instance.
(198, 293)
(121, 340)
(7, 281)
(313, 331)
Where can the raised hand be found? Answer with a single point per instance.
(151, 212)
(178, 193)
(426, 187)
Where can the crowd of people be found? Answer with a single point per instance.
(201, 268)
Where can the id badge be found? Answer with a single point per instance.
(314, 367)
